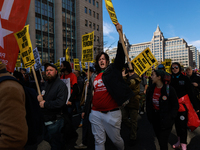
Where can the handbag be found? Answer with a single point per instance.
(193, 119)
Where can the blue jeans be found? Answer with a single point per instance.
(53, 135)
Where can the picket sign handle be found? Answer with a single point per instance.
(36, 81)
(41, 74)
(125, 51)
(88, 76)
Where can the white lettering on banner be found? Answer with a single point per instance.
(4, 14)
(4, 61)
(2, 55)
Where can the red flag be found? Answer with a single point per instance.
(13, 14)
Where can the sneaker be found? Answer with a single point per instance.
(141, 113)
(81, 146)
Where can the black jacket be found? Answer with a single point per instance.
(195, 78)
(55, 98)
(168, 108)
(183, 86)
(113, 80)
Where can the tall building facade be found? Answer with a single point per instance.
(162, 48)
(52, 28)
(89, 18)
(56, 25)
(195, 56)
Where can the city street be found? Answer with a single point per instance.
(145, 141)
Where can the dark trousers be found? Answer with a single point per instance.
(87, 135)
(53, 135)
(162, 134)
(181, 126)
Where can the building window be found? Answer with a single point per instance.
(97, 4)
(97, 16)
(89, 1)
(50, 11)
(97, 27)
(90, 24)
(94, 14)
(94, 38)
(44, 9)
(94, 26)
(97, 39)
(86, 23)
(86, 10)
(90, 12)
(94, 2)
(37, 23)
(37, 7)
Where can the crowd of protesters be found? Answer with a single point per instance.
(114, 93)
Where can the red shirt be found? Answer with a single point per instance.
(102, 100)
(73, 79)
(156, 96)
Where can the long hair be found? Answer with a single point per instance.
(68, 66)
(97, 67)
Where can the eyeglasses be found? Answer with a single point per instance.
(175, 67)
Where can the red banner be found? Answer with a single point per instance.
(13, 14)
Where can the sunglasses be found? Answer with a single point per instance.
(175, 67)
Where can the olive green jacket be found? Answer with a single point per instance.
(134, 83)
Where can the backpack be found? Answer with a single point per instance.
(33, 114)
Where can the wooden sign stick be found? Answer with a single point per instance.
(36, 81)
(125, 51)
(41, 74)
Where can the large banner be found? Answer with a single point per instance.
(143, 61)
(111, 11)
(87, 47)
(25, 46)
(37, 64)
(13, 14)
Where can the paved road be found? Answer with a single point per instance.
(145, 141)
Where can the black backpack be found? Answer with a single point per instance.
(33, 115)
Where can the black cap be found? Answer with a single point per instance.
(49, 64)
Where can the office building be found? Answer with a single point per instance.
(56, 25)
(89, 18)
(174, 48)
(195, 56)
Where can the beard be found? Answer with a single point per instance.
(51, 78)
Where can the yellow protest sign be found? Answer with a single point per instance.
(168, 62)
(148, 72)
(87, 47)
(143, 61)
(112, 60)
(25, 46)
(76, 64)
(67, 55)
(18, 63)
(111, 11)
